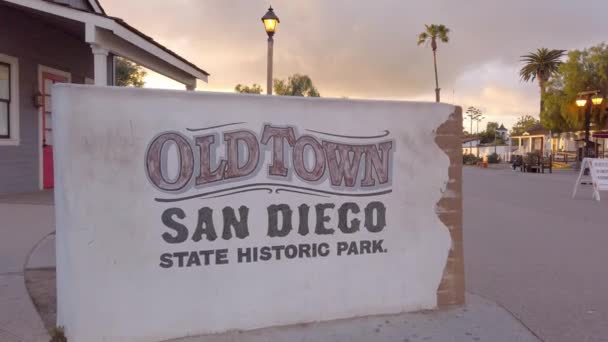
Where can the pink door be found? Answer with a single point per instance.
(47, 127)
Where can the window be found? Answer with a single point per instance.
(5, 100)
(9, 101)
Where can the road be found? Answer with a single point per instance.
(537, 252)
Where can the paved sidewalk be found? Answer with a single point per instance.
(23, 225)
(537, 251)
(479, 320)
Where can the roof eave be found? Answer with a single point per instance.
(96, 5)
(118, 27)
(160, 46)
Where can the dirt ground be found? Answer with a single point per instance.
(41, 285)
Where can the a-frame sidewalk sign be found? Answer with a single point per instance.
(598, 171)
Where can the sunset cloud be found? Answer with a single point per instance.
(365, 49)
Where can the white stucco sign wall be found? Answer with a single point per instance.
(182, 213)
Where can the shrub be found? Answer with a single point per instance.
(469, 159)
(493, 158)
(58, 335)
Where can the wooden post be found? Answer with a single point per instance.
(100, 64)
(542, 146)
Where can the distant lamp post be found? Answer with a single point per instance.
(581, 102)
(597, 99)
(587, 99)
(478, 119)
(271, 22)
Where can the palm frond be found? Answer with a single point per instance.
(422, 38)
(540, 64)
(434, 31)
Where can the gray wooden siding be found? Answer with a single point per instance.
(34, 43)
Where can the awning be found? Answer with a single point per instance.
(600, 135)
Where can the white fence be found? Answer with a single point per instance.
(504, 152)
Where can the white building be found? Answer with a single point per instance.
(564, 147)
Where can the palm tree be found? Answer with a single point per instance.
(541, 65)
(433, 33)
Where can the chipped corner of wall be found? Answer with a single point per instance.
(451, 290)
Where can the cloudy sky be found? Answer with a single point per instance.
(367, 49)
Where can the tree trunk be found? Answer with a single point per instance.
(541, 83)
(437, 97)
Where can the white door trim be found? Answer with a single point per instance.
(41, 69)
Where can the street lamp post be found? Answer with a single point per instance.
(271, 22)
(588, 99)
(479, 119)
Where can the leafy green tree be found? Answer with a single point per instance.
(128, 73)
(583, 70)
(541, 65)
(557, 115)
(296, 85)
(524, 123)
(243, 89)
(489, 134)
(432, 34)
(491, 127)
